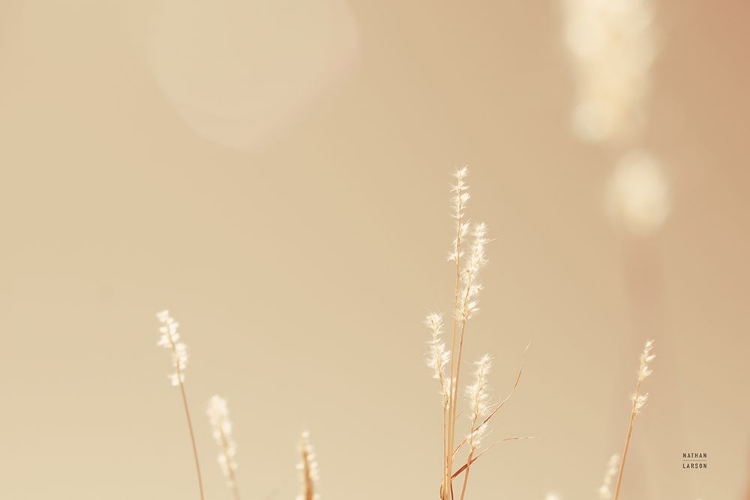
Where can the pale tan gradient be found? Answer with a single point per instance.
(301, 266)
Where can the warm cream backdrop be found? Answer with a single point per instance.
(278, 179)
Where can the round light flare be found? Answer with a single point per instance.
(238, 71)
(637, 195)
(612, 44)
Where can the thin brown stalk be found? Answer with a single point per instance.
(638, 402)
(633, 413)
(449, 418)
(309, 484)
(230, 470)
(497, 408)
(455, 382)
(190, 428)
(477, 394)
(308, 476)
(446, 489)
(170, 339)
(449, 414)
(469, 461)
(478, 455)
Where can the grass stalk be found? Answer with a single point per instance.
(633, 414)
(170, 339)
(638, 400)
(192, 436)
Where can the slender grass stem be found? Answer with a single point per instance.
(638, 402)
(169, 339)
(469, 461)
(451, 410)
(192, 437)
(230, 470)
(633, 413)
(458, 373)
(449, 413)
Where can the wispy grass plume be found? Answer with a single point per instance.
(477, 394)
(308, 469)
(612, 47)
(170, 339)
(638, 401)
(605, 490)
(218, 415)
(438, 358)
(468, 255)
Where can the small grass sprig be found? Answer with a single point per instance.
(638, 401)
(477, 394)
(469, 258)
(170, 339)
(605, 490)
(308, 469)
(221, 425)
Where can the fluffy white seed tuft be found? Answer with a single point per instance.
(170, 339)
(460, 198)
(308, 469)
(218, 415)
(438, 356)
(605, 490)
(478, 396)
(646, 357)
(470, 273)
(639, 401)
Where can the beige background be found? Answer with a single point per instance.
(277, 176)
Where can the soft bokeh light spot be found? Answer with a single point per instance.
(236, 72)
(612, 45)
(638, 194)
